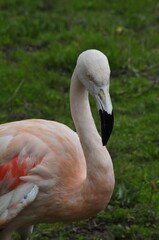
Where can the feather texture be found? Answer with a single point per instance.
(48, 172)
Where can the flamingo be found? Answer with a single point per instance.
(48, 172)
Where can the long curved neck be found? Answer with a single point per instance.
(82, 117)
(99, 165)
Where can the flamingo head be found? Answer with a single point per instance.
(94, 72)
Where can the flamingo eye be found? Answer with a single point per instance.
(90, 77)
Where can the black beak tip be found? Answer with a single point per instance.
(104, 141)
(107, 121)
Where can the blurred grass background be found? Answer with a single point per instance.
(40, 41)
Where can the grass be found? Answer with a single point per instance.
(39, 44)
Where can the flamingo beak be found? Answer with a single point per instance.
(107, 121)
(104, 106)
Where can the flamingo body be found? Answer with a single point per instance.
(29, 147)
(50, 173)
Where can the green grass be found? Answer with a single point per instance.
(39, 44)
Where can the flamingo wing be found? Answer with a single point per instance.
(13, 202)
(34, 154)
(20, 152)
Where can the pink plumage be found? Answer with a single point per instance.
(50, 173)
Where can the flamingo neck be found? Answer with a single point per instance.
(98, 161)
(98, 186)
(82, 117)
